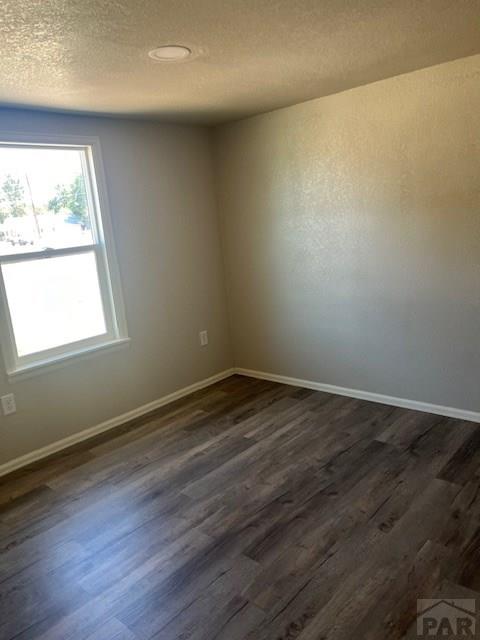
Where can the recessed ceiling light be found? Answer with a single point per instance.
(170, 53)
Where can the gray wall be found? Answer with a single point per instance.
(351, 241)
(351, 230)
(160, 186)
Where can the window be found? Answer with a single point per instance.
(59, 287)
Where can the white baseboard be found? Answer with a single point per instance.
(450, 412)
(38, 454)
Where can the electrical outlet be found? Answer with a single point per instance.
(8, 404)
(203, 336)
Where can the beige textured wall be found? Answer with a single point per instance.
(160, 186)
(351, 229)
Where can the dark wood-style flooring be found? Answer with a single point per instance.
(247, 511)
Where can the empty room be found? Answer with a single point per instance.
(239, 319)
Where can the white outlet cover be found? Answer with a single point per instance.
(8, 404)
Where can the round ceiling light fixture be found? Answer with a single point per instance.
(170, 53)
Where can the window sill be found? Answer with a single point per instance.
(43, 366)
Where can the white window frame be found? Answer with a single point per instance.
(102, 246)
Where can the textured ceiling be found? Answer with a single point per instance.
(91, 55)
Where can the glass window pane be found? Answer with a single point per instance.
(54, 301)
(43, 201)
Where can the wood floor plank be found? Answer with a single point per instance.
(112, 630)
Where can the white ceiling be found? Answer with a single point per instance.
(91, 55)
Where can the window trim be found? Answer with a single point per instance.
(102, 247)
